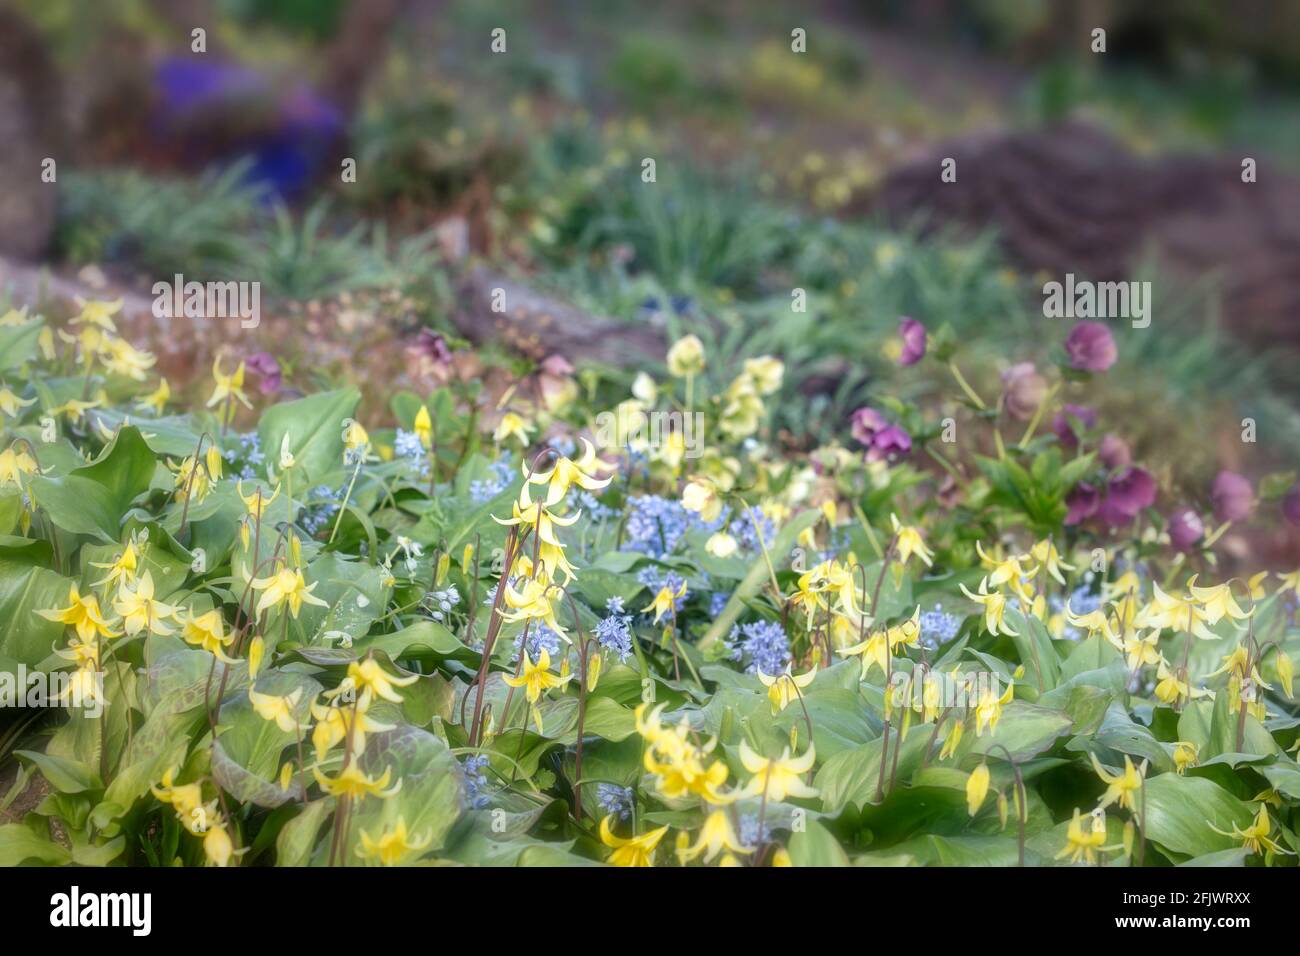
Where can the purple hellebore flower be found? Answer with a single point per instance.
(1233, 497)
(267, 370)
(1023, 390)
(889, 444)
(1114, 452)
(1185, 529)
(1291, 504)
(865, 422)
(1082, 502)
(433, 345)
(1091, 347)
(913, 335)
(1126, 494)
(1063, 423)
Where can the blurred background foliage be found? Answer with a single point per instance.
(766, 165)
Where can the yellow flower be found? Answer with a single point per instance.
(716, 835)
(778, 778)
(156, 399)
(677, 763)
(98, 312)
(75, 408)
(257, 502)
(392, 845)
(139, 611)
(785, 687)
(664, 601)
(185, 799)
(1172, 689)
(368, 674)
(977, 788)
(11, 403)
(1255, 837)
(700, 496)
(511, 424)
(721, 545)
(196, 479)
(336, 723)
(631, 851)
(424, 427)
(1285, 671)
(1120, 787)
(1045, 553)
(1290, 582)
(1217, 602)
(909, 542)
(988, 710)
(217, 845)
(686, 356)
(228, 387)
(1004, 569)
(1185, 755)
(536, 679)
(121, 570)
(82, 613)
(15, 464)
(122, 358)
(767, 373)
(533, 602)
(565, 473)
(953, 739)
(352, 782)
(995, 607)
(286, 586)
(208, 631)
(1081, 844)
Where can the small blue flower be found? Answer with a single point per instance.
(762, 645)
(614, 632)
(476, 782)
(616, 800)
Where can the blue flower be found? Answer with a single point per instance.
(762, 645)
(616, 800)
(476, 782)
(407, 445)
(938, 627)
(614, 632)
(540, 638)
(485, 489)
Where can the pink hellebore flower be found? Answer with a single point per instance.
(1233, 497)
(1091, 347)
(912, 333)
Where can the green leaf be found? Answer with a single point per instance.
(1180, 810)
(293, 846)
(66, 776)
(25, 636)
(124, 469)
(18, 343)
(815, 846)
(18, 844)
(315, 429)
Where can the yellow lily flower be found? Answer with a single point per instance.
(424, 427)
(1081, 844)
(83, 614)
(1255, 837)
(286, 586)
(781, 777)
(511, 424)
(977, 788)
(785, 687)
(278, 708)
(367, 674)
(664, 601)
(995, 607)
(10, 403)
(228, 387)
(122, 570)
(352, 782)
(336, 723)
(157, 399)
(631, 851)
(139, 611)
(1185, 755)
(208, 631)
(716, 835)
(988, 710)
(393, 845)
(1120, 787)
(908, 541)
(536, 679)
(686, 357)
(565, 473)
(1045, 553)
